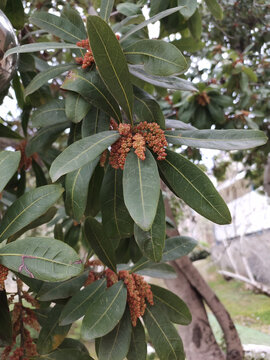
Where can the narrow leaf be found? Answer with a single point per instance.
(75, 18)
(106, 7)
(49, 114)
(141, 187)
(176, 247)
(105, 313)
(82, 152)
(27, 208)
(9, 162)
(6, 324)
(158, 270)
(177, 124)
(15, 13)
(138, 348)
(215, 9)
(76, 107)
(94, 122)
(6, 132)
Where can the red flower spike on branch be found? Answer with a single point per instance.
(3, 276)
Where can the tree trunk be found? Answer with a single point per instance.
(198, 338)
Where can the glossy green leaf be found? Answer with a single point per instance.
(106, 7)
(168, 82)
(138, 347)
(188, 7)
(51, 334)
(44, 137)
(82, 152)
(6, 132)
(177, 124)
(176, 308)
(159, 57)
(41, 258)
(189, 44)
(157, 6)
(141, 186)
(191, 184)
(39, 174)
(27, 208)
(111, 62)
(94, 122)
(215, 9)
(178, 246)
(76, 107)
(58, 26)
(195, 24)
(101, 245)
(93, 198)
(77, 306)
(134, 19)
(69, 349)
(39, 46)
(9, 162)
(92, 88)
(75, 18)
(44, 76)
(61, 290)
(49, 114)
(156, 270)
(151, 242)
(153, 19)
(146, 108)
(218, 139)
(76, 185)
(6, 324)
(105, 313)
(116, 220)
(163, 334)
(115, 345)
(15, 13)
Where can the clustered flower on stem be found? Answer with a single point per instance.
(137, 137)
(3, 276)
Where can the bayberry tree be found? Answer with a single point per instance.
(94, 157)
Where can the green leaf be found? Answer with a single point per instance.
(39, 46)
(101, 245)
(58, 26)
(44, 137)
(44, 76)
(218, 139)
(6, 324)
(15, 13)
(27, 208)
(116, 220)
(177, 124)
(105, 313)
(39, 174)
(195, 25)
(153, 19)
(159, 57)
(138, 347)
(6, 132)
(77, 306)
(61, 290)
(134, 19)
(158, 5)
(188, 7)
(115, 345)
(157, 270)
(51, 334)
(215, 9)
(82, 152)
(189, 44)
(93, 198)
(168, 82)
(111, 62)
(176, 309)
(92, 88)
(106, 7)
(250, 73)
(146, 108)
(190, 183)
(49, 114)
(178, 246)
(76, 107)
(94, 122)
(128, 9)
(163, 334)
(9, 162)
(66, 354)
(41, 258)
(75, 18)
(76, 185)
(151, 242)
(141, 187)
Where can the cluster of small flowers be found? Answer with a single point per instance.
(203, 99)
(90, 279)
(103, 158)
(111, 277)
(88, 58)
(3, 276)
(25, 162)
(138, 137)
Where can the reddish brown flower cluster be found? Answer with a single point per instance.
(111, 277)
(3, 276)
(25, 162)
(137, 137)
(203, 99)
(88, 59)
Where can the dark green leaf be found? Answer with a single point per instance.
(116, 220)
(101, 245)
(176, 309)
(163, 334)
(66, 354)
(138, 347)
(95, 121)
(76, 107)
(93, 198)
(176, 247)
(189, 44)
(77, 306)
(190, 183)
(195, 24)
(9, 162)
(106, 7)
(39, 174)
(215, 9)
(49, 114)
(6, 132)
(41, 258)
(141, 187)
(128, 9)
(177, 124)
(75, 18)
(105, 313)
(157, 6)
(152, 242)
(27, 208)
(5, 319)
(15, 13)
(157, 270)
(82, 152)
(218, 139)
(92, 88)
(115, 345)
(188, 7)
(111, 62)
